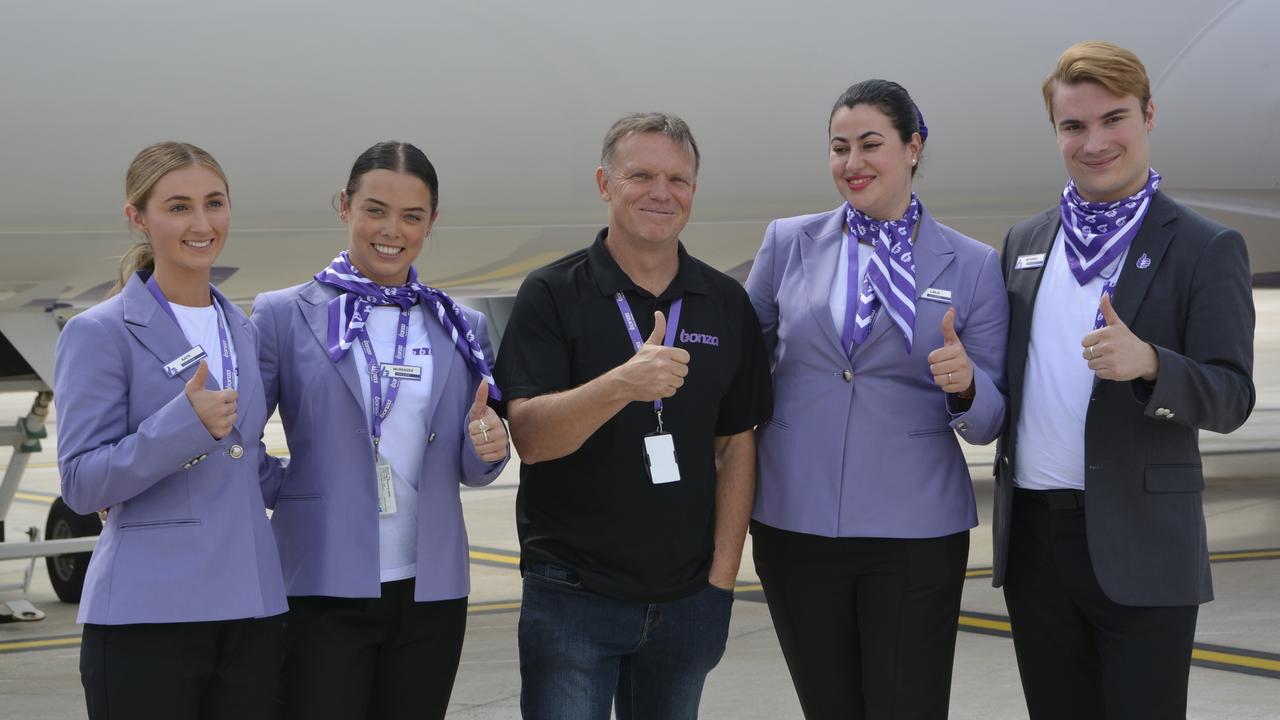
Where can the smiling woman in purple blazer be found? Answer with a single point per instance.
(160, 407)
(887, 333)
(382, 384)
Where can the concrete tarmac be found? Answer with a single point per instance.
(1236, 674)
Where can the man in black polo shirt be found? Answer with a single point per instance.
(634, 376)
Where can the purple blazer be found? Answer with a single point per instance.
(187, 537)
(874, 453)
(325, 503)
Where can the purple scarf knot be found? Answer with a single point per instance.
(349, 312)
(891, 275)
(1098, 233)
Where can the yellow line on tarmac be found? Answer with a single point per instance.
(1249, 555)
(33, 497)
(486, 607)
(495, 557)
(1233, 659)
(39, 644)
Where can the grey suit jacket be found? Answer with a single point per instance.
(1143, 478)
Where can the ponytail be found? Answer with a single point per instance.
(139, 257)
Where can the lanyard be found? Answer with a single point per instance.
(380, 409)
(228, 362)
(629, 319)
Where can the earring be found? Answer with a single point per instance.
(913, 162)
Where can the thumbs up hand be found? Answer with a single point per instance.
(215, 408)
(949, 364)
(1115, 353)
(655, 371)
(488, 433)
(659, 330)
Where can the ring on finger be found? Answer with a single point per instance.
(1092, 353)
(948, 378)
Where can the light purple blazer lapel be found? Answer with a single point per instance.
(152, 327)
(444, 354)
(819, 249)
(314, 303)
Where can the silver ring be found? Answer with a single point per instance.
(484, 428)
(948, 378)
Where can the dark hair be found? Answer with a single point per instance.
(398, 157)
(891, 99)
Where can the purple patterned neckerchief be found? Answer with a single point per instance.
(890, 278)
(349, 311)
(1098, 233)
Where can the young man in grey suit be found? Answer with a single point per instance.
(1131, 329)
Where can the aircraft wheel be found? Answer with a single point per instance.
(66, 572)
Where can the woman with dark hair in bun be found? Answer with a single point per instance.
(383, 386)
(887, 333)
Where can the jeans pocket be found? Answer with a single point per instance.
(716, 590)
(553, 576)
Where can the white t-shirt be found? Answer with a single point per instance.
(1058, 382)
(404, 432)
(200, 326)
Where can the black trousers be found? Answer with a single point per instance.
(867, 625)
(175, 671)
(386, 657)
(1080, 654)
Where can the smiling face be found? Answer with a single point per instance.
(649, 187)
(186, 217)
(387, 218)
(1103, 140)
(870, 164)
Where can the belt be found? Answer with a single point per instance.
(1055, 499)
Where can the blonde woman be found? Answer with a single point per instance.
(160, 409)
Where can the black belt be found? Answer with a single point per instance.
(1055, 499)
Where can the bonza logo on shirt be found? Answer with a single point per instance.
(699, 338)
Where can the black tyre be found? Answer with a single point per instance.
(66, 572)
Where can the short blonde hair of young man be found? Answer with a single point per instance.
(1097, 61)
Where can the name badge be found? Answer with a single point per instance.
(386, 489)
(184, 361)
(660, 458)
(402, 372)
(1025, 262)
(938, 295)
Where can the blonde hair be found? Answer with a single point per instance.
(1097, 61)
(148, 166)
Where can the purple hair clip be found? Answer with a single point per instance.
(924, 129)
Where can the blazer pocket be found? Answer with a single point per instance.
(931, 433)
(1174, 478)
(287, 498)
(153, 524)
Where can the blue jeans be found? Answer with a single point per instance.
(580, 652)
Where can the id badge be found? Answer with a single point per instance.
(401, 372)
(386, 489)
(660, 458)
(184, 361)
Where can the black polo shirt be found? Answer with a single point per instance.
(595, 511)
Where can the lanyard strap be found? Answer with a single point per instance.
(629, 319)
(228, 362)
(380, 408)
